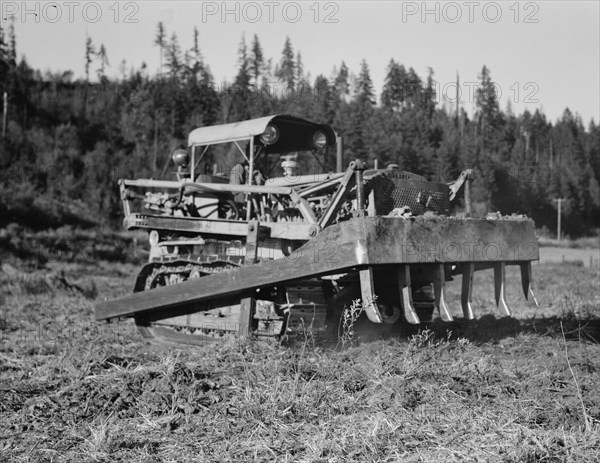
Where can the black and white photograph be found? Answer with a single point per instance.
(300, 231)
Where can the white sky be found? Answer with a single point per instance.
(544, 52)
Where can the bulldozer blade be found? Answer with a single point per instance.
(439, 283)
(499, 288)
(406, 295)
(367, 289)
(467, 290)
(527, 281)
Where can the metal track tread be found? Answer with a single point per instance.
(305, 308)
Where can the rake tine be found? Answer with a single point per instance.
(367, 289)
(527, 281)
(406, 295)
(439, 282)
(499, 287)
(467, 289)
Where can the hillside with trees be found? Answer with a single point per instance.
(66, 141)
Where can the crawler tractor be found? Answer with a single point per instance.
(229, 258)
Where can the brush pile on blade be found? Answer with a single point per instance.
(237, 253)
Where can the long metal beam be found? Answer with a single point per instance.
(282, 230)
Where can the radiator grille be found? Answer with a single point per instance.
(420, 196)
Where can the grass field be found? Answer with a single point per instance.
(587, 257)
(498, 389)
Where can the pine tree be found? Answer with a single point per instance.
(300, 78)
(286, 70)
(448, 153)
(198, 65)
(210, 100)
(594, 148)
(89, 52)
(392, 95)
(3, 48)
(173, 51)
(4, 66)
(539, 137)
(242, 79)
(12, 43)
(323, 99)
(355, 118)
(195, 46)
(342, 84)
(429, 96)
(123, 69)
(239, 101)
(194, 64)
(365, 95)
(102, 56)
(487, 108)
(161, 41)
(257, 60)
(413, 88)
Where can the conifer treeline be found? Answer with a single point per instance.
(67, 141)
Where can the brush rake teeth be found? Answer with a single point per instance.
(527, 282)
(368, 295)
(406, 295)
(467, 290)
(468, 270)
(500, 287)
(439, 284)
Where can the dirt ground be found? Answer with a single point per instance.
(523, 389)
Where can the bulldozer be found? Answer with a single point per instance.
(237, 254)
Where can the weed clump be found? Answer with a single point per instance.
(348, 320)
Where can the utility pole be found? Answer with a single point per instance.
(559, 201)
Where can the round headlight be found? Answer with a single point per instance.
(319, 140)
(270, 135)
(180, 157)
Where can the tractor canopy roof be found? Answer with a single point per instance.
(277, 134)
